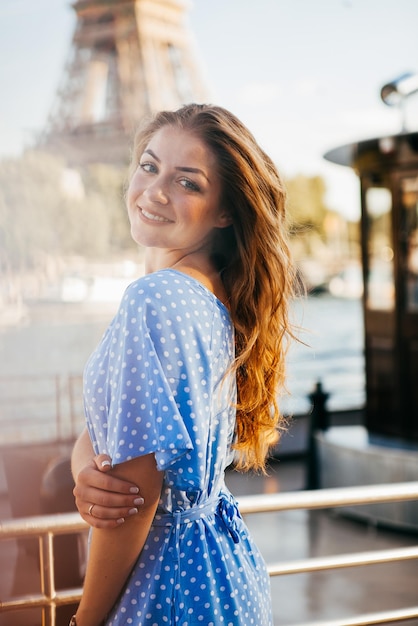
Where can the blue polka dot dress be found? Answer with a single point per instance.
(156, 384)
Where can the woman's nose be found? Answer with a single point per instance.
(157, 192)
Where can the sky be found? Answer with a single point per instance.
(304, 75)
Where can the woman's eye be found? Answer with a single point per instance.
(189, 184)
(146, 166)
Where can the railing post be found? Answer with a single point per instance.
(58, 407)
(46, 557)
(74, 380)
(319, 420)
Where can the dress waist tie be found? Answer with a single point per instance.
(223, 505)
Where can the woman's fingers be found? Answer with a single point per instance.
(103, 500)
(103, 462)
(97, 522)
(93, 476)
(115, 491)
(99, 516)
(110, 513)
(106, 498)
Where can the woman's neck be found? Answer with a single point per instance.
(157, 259)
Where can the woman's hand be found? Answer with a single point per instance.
(103, 500)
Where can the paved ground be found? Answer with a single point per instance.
(283, 536)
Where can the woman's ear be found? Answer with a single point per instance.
(224, 219)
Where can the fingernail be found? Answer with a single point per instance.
(134, 490)
(139, 501)
(132, 511)
(120, 520)
(104, 463)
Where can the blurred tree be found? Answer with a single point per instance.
(106, 184)
(307, 206)
(48, 209)
(322, 240)
(29, 194)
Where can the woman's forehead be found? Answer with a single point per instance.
(171, 142)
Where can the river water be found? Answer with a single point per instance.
(57, 339)
(332, 352)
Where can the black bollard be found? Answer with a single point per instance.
(319, 420)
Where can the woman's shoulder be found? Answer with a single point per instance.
(165, 282)
(159, 291)
(169, 283)
(172, 292)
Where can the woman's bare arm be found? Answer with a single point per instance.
(113, 552)
(114, 499)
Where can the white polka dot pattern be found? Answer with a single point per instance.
(156, 384)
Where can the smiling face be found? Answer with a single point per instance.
(174, 195)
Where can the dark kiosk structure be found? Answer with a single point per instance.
(383, 450)
(388, 171)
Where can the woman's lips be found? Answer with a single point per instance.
(153, 216)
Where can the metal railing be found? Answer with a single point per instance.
(46, 527)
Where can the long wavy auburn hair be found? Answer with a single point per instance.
(253, 258)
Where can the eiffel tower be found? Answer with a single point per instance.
(128, 59)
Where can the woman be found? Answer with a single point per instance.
(186, 380)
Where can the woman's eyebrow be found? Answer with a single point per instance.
(183, 168)
(193, 170)
(154, 156)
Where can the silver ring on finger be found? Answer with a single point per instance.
(91, 509)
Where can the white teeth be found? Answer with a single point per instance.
(156, 218)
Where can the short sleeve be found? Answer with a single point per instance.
(132, 410)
